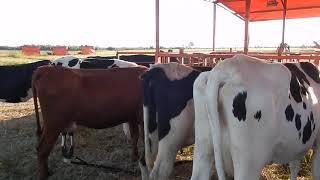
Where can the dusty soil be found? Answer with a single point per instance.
(106, 147)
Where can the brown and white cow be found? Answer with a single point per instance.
(91, 98)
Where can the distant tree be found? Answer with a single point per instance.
(111, 48)
(190, 44)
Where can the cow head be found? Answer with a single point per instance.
(67, 61)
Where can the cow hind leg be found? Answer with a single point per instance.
(164, 163)
(67, 152)
(202, 160)
(294, 169)
(46, 143)
(143, 167)
(134, 131)
(316, 162)
(246, 168)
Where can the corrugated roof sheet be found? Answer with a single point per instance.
(261, 10)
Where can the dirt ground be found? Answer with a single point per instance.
(106, 147)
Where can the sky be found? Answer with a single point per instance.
(131, 23)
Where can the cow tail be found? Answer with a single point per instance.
(215, 82)
(35, 101)
(145, 161)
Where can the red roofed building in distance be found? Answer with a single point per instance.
(30, 50)
(85, 50)
(59, 50)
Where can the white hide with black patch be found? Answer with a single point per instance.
(168, 117)
(257, 113)
(68, 62)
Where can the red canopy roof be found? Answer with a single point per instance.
(261, 10)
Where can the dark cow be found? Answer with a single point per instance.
(168, 117)
(100, 57)
(15, 81)
(92, 63)
(250, 113)
(92, 98)
(144, 60)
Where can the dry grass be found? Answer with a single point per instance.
(10, 57)
(16, 57)
(108, 147)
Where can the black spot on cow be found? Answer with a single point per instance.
(311, 71)
(73, 62)
(289, 113)
(311, 117)
(59, 64)
(298, 121)
(314, 126)
(306, 132)
(258, 115)
(289, 96)
(239, 106)
(159, 101)
(298, 78)
(304, 105)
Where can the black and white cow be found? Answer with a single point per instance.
(252, 113)
(168, 117)
(67, 61)
(15, 81)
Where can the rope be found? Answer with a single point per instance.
(100, 166)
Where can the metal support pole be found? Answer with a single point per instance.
(284, 19)
(157, 32)
(246, 29)
(214, 26)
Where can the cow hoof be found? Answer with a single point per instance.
(65, 160)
